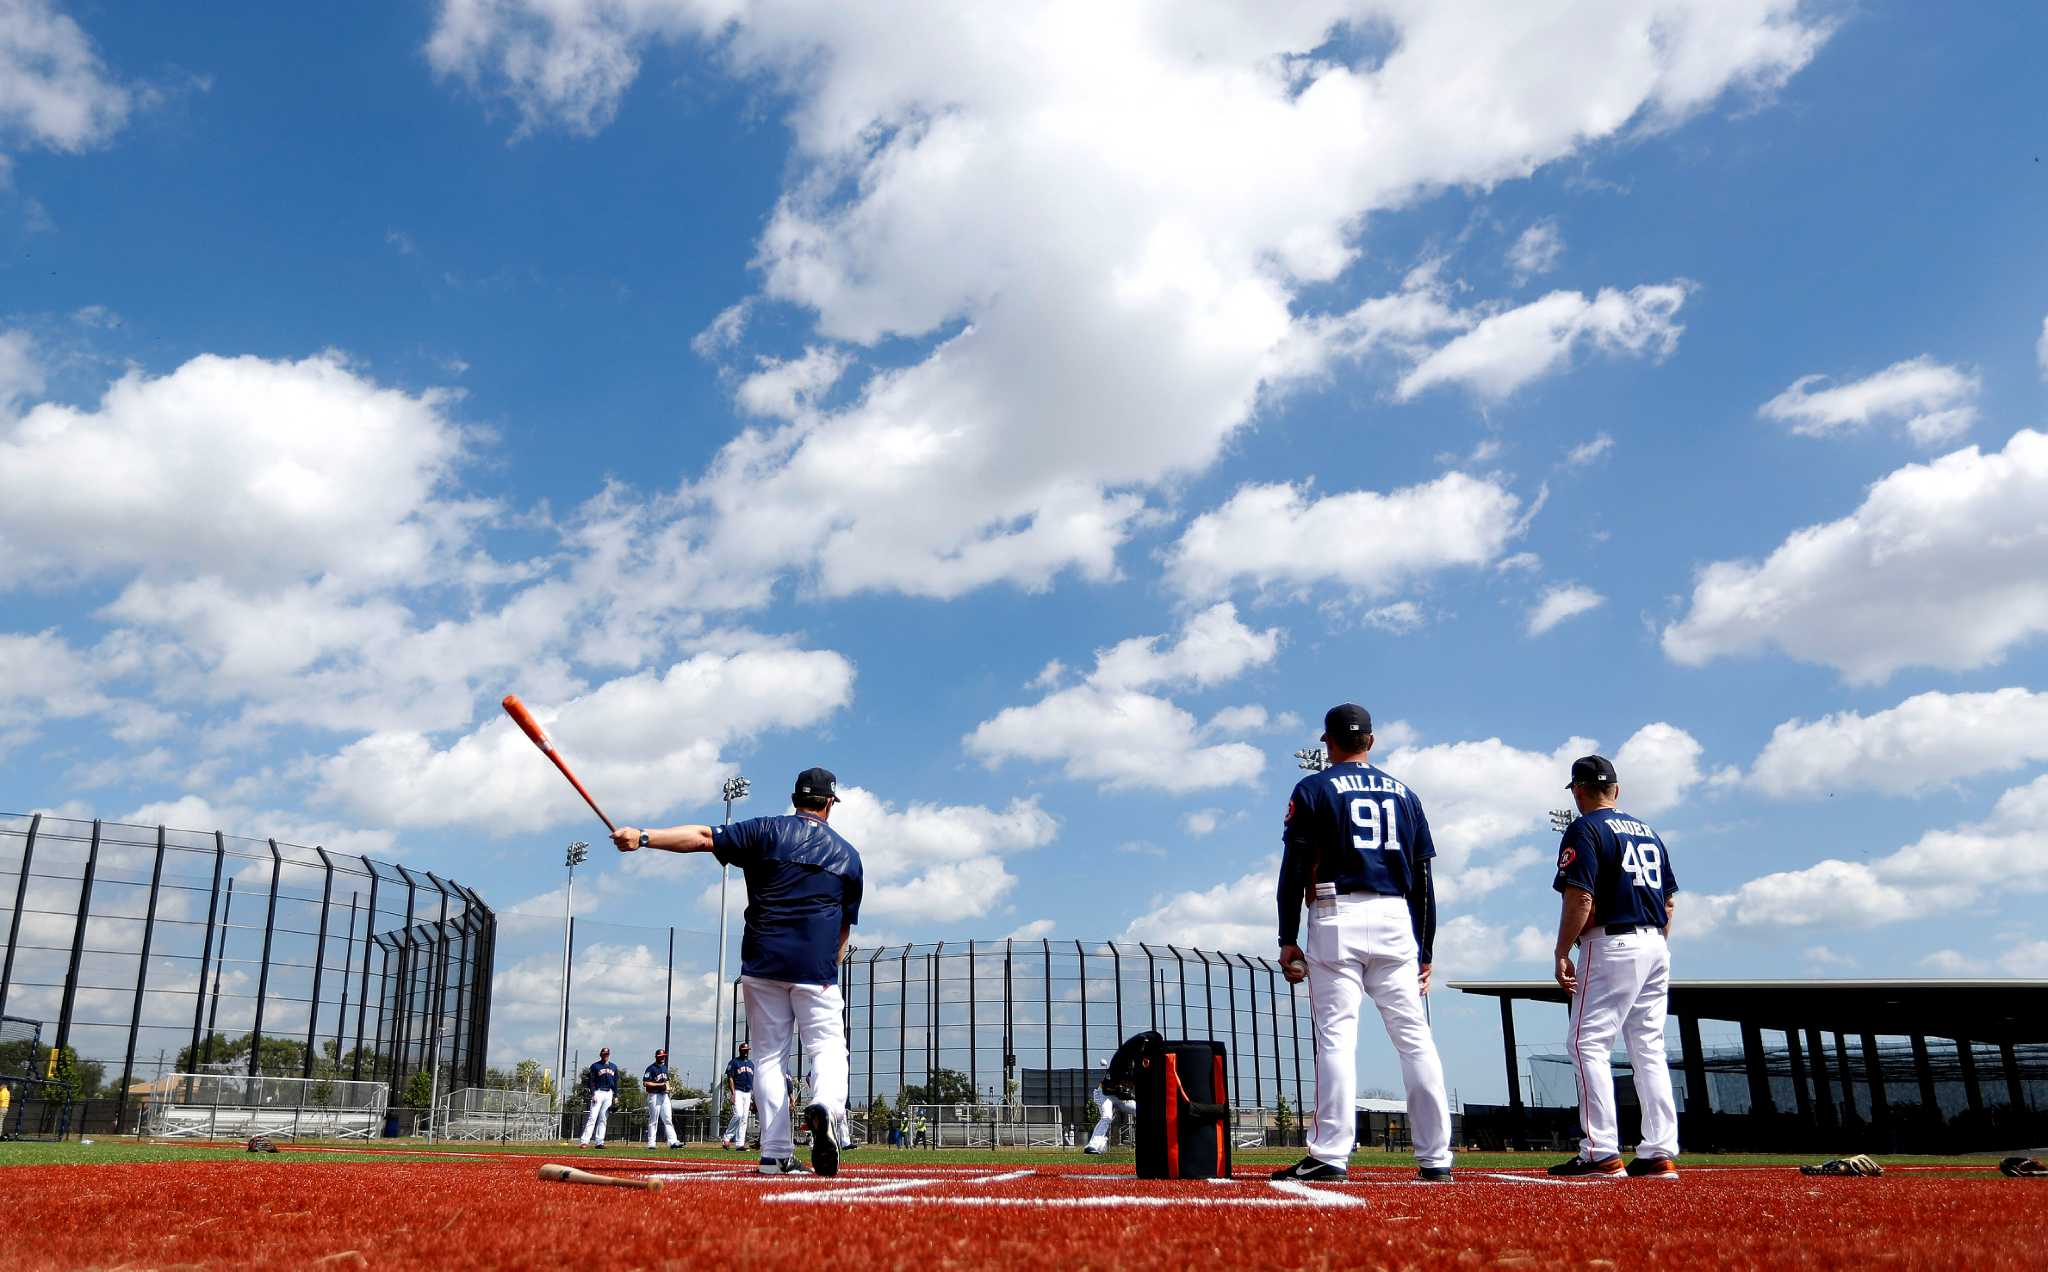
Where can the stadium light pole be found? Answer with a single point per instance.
(735, 790)
(579, 852)
(1311, 759)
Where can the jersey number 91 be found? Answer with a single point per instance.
(1376, 819)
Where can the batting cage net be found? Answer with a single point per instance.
(483, 1113)
(235, 1106)
(31, 1108)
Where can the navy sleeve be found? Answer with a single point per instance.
(1670, 875)
(1578, 864)
(1297, 864)
(850, 888)
(1421, 845)
(734, 845)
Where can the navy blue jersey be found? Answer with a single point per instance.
(1352, 826)
(604, 1076)
(741, 1073)
(803, 883)
(656, 1077)
(1621, 863)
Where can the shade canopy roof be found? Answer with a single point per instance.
(1989, 1010)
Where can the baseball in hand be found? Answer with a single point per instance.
(1296, 968)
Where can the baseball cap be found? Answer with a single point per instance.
(1592, 770)
(1346, 722)
(602, 1052)
(746, 1046)
(661, 1053)
(817, 781)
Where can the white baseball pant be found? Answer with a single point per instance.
(1623, 984)
(600, 1112)
(1360, 944)
(1098, 1140)
(736, 1130)
(659, 1114)
(776, 1012)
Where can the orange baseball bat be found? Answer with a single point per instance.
(570, 1175)
(531, 728)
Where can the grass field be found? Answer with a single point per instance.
(126, 1204)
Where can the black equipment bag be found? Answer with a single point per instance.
(1182, 1090)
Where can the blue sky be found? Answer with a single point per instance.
(758, 385)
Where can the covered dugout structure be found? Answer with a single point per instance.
(1899, 1065)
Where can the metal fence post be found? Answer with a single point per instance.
(1116, 961)
(205, 957)
(363, 984)
(1236, 1070)
(973, 1050)
(1082, 955)
(1294, 1024)
(28, 857)
(70, 999)
(437, 980)
(319, 965)
(1151, 986)
(263, 973)
(348, 967)
(156, 878)
(401, 1033)
(1180, 971)
(902, 1018)
(668, 993)
(871, 1036)
(1251, 981)
(1048, 1018)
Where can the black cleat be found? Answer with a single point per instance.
(824, 1150)
(783, 1166)
(1580, 1168)
(1653, 1168)
(1310, 1170)
(1434, 1174)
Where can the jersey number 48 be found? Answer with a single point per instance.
(1645, 861)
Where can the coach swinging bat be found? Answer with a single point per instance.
(539, 736)
(570, 1175)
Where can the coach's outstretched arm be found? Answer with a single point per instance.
(672, 839)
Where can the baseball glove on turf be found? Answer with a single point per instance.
(2023, 1168)
(1857, 1165)
(257, 1144)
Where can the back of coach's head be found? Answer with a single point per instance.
(1347, 729)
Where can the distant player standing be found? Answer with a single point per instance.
(1357, 844)
(659, 1111)
(603, 1080)
(1108, 1106)
(739, 1095)
(1619, 891)
(803, 898)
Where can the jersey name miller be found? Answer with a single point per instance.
(1356, 784)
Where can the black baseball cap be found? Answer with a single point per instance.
(1346, 722)
(602, 1052)
(746, 1046)
(661, 1053)
(817, 781)
(1592, 770)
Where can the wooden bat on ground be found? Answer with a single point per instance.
(570, 1175)
(531, 728)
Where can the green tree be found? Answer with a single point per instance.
(947, 1086)
(1283, 1116)
(630, 1097)
(418, 1092)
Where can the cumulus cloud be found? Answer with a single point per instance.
(1924, 743)
(1935, 402)
(1536, 251)
(1278, 536)
(1107, 729)
(1586, 452)
(21, 375)
(1566, 600)
(1941, 872)
(1961, 537)
(649, 742)
(1097, 233)
(1238, 915)
(937, 862)
(55, 91)
(1509, 350)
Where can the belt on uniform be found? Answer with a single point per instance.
(1325, 891)
(1623, 929)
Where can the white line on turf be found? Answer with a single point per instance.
(1321, 1197)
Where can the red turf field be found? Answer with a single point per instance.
(344, 1209)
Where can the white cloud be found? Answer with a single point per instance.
(937, 862)
(1235, 916)
(1509, 350)
(1960, 537)
(1941, 872)
(1536, 251)
(1926, 742)
(1202, 821)
(786, 388)
(1157, 189)
(1397, 619)
(1467, 945)
(21, 375)
(195, 812)
(1276, 536)
(1937, 403)
(644, 744)
(1488, 802)
(54, 89)
(1823, 956)
(1035, 930)
(1563, 601)
(1108, 730)
(1586, 452)
(2028, 958)
(1951, 962)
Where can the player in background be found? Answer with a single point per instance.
(1356, 843)
(1619, 895)
(659, 1111)
(1108, 1106)
(603, 1080)
(739, 1096)
(803, 897)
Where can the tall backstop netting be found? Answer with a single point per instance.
(155, 956)
(1026, 1024)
